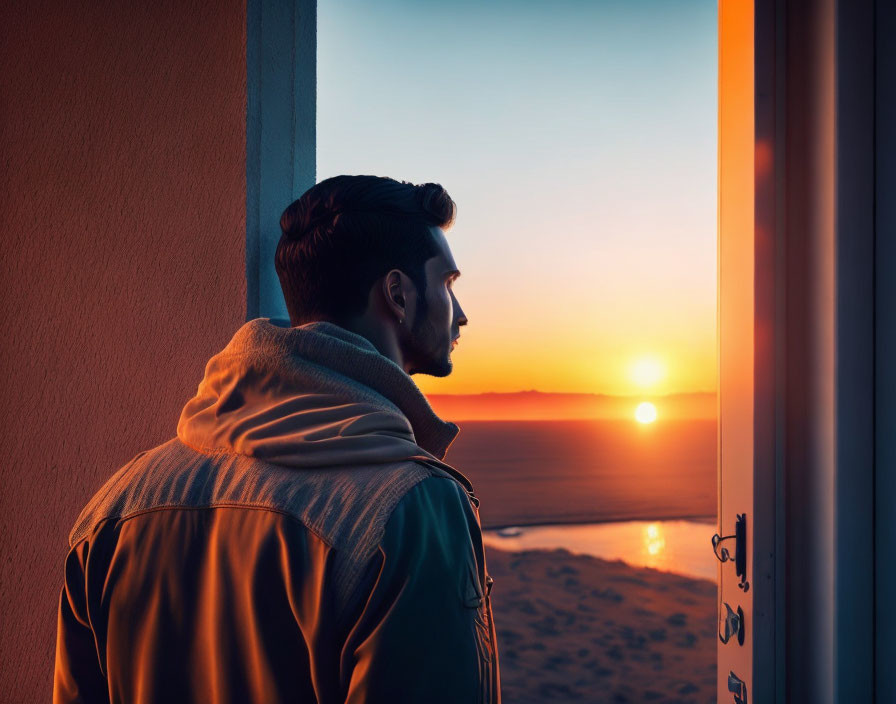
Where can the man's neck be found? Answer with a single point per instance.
(380, 335)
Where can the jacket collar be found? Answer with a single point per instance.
(355, 357)
(311, 396)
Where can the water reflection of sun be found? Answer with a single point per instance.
(654, 541)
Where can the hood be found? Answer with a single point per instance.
(311, 396)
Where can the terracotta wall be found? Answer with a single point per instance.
(122, 214)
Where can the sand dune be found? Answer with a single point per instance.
(574, 628)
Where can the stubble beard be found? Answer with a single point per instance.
(429, 354)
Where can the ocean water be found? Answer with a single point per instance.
(680, 547)
(589, 471)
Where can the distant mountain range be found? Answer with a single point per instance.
(542, 405)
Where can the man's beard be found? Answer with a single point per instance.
(426, 348)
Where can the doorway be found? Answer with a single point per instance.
(579, 142)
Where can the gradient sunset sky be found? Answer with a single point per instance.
(579, 142)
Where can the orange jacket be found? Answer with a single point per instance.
(300, 540)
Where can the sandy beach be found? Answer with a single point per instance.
(574, 628)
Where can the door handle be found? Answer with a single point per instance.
(740, 549)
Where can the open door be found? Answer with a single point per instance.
(805, 347)
(744, 543)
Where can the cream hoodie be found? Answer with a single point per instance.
(312, 396)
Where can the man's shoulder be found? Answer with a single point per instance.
(437, 510)
(434, 495)
(339, 504)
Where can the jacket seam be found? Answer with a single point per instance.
(187, 507)
(361, 566)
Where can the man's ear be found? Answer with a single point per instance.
(396, 293)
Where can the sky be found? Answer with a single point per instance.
(578, 140)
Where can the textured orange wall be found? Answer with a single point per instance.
(122, 214)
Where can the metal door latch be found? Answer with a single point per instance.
(740, 549)
(738, 687)
(732, 624)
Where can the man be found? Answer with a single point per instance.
(300, 539)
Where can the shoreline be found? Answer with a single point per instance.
(561, 553)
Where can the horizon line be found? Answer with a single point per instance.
(574, 393)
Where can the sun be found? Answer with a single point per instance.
(647, 371)
(645, 413)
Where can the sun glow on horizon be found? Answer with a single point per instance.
(645, 413)
(647, 371)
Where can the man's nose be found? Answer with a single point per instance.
(459, 314)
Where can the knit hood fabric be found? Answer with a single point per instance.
(311, 396)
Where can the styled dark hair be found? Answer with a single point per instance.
(346, 232)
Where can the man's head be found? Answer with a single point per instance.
(369, 253)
